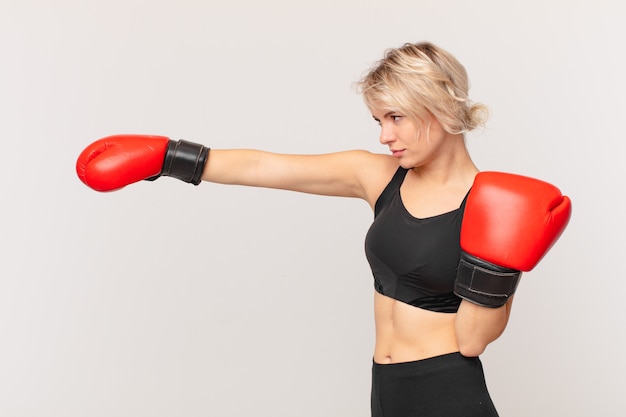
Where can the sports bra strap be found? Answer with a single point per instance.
(390, 189)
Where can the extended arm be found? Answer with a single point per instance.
(116, 161)
(341, 174)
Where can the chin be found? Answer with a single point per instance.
(407, 164)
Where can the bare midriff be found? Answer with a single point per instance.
(405, 333)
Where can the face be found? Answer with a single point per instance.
(413, 144)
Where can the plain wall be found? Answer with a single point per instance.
(167, 299)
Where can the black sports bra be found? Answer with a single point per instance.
(414, 260)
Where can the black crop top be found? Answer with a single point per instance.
(414, 260)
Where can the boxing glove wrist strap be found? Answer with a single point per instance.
(185, 161)
(484, 283)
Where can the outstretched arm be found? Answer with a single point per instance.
(344, 174)
(117, 161)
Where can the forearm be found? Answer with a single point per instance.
(233, 166)
(477, 326)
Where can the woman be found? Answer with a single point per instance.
(428, 339)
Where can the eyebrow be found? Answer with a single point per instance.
(385, 115)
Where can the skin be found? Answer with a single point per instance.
(441, 173)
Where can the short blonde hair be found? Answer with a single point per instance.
(417, 79)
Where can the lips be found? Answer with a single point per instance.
(397, 152)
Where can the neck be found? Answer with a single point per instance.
(450, 162)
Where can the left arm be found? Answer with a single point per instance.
(477, 326)
(509, 224)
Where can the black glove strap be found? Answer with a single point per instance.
(185, 161)
(483, 283)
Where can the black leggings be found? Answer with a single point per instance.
(449, 385)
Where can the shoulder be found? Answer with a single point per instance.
(375, 172)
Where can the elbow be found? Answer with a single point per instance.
(472, 349)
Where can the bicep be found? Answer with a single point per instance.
(346, 174)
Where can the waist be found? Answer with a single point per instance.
(434, 362)
(406, 333)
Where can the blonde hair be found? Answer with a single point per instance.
(417, 79)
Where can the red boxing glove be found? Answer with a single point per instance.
(510, 223)
(116, 161)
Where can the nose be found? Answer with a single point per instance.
(387, 135)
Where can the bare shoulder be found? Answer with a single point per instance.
(375, 172)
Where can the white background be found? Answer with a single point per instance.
(167, 299)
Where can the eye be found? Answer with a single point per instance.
(396, 118)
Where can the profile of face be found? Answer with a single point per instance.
(413, 142)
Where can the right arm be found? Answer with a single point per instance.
(353, 173)
(116, 161)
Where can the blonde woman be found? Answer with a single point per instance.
(445, 261)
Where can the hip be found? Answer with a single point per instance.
(446, 385)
